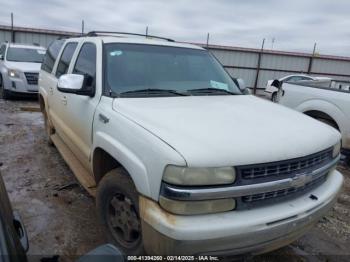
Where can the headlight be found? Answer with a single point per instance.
(197, 207)
(192, 176)
(336, 149)
(13, 73)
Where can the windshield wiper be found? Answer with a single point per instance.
(210, 91)
(151, 91)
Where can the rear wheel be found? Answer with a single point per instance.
(118, 208)
(274, 97)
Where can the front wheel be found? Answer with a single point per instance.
(117, 204)
(4, 94)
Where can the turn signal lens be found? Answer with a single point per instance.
(336, 149)
(197, 207)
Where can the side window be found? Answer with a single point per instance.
(306, 78)
(86, 63)
(65, 59)
(51, 55)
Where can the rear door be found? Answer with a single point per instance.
(79, 110)
(47, 80)
(58, 100)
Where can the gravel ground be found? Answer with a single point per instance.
(60, 216)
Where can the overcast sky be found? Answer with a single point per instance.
(295, 25)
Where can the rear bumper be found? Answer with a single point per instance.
(239, 232)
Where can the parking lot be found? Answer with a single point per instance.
(60, 216)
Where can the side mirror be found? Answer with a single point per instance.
(242, 86)
(76, 84)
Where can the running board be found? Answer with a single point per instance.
(83, 176)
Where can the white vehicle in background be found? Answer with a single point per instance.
(271, 91)
(330, 105)
(19, 69)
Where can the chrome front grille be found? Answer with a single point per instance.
(260, 184)
(283, 192)
(32, 78)
(283, 169)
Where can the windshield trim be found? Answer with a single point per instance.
(109, 92)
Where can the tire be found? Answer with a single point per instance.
(4, 94)
(274, 97)
(117, 204)
(49, 130)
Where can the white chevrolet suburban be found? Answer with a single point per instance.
(19, 69)
(329, 104)
(179, 159)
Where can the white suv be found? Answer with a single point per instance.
(180, 161)
(19, 69)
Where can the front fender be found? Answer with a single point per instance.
(140, 152)
(126, 158)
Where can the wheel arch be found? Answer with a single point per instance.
(322, 115)
(108, 156)
(324, 110)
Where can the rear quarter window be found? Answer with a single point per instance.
(51, 55)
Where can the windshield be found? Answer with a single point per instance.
(16, 54)
(132, 67)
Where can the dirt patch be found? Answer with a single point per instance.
(60, 216)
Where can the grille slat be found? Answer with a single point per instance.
(267, 172)
(282, 193)
(285, 168)
(32, 78)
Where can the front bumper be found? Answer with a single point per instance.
(237, 232)
(19, 85)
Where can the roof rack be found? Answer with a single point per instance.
(97, 33)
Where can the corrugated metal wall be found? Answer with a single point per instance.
(239, 62)
(243, 63)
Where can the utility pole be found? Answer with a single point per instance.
(208, 35)
(12, 30)
(273, 42)
(146, 31)
(311, 59)
(82, 27)
(258, 66)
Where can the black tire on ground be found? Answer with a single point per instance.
(49, 130)
(4, 94)
(117, 204)
(274, 97)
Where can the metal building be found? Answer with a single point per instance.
(255, 66)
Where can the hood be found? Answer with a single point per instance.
(24, 66)
(228, 130)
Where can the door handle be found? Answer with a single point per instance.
(103, 118)
(64, 100)
(51, 90)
